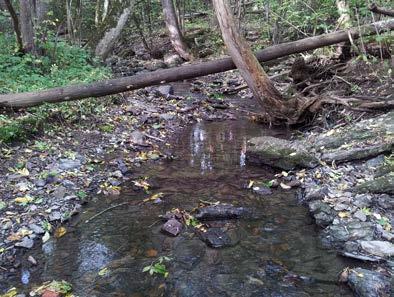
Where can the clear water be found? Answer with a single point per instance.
(278, 254)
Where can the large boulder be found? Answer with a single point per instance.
(280, 153)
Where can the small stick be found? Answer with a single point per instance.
(153, 137)
(104, 211)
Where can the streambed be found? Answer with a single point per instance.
(278, 254)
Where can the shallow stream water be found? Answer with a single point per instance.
(278, 254)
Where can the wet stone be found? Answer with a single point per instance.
(322, 212)
(340, 233)
(172, 227)
(25, 243)
(220, 237)
(367, 283)
(378, 248)
(221, 211)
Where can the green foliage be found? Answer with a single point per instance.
(158, 267)
(62, 65)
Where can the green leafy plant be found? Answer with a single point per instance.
(158, 267)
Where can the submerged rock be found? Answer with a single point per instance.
(322, 212)
(172, 227)
(220, 237)
(220, 212)
(367, 283)
(279, 153)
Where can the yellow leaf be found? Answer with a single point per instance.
(46, 237)
(344, 214)
(23, 172)
(10, 293)
(103, 271)
(284, 186)
(154, 197)
(60, 232)
(251, 182)
(24, 200)
(284, 173)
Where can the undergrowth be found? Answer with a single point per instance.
(61, 65)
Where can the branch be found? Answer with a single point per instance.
(381, 10)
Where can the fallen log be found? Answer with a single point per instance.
(381, 10)
(118, 85)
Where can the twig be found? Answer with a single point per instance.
(154, 223)
(104, 211)
(153, 137)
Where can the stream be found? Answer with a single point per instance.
(277, 254)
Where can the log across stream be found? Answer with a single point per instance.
(278, 253)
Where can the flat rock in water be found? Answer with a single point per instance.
(378, 248)
(220, 237)
(279, 153)
(221, 212)
(367, 283)
(172, 227)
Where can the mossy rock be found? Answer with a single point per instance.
(383, 184)
(279, 153)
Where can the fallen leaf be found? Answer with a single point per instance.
(251, 182)
(284, 186)
(46, 237)
(60, 232)
(151, 253)
(154, 197)
(10, 293)
(24, 200)
(103, 271)
(23, 172)
(344, 214)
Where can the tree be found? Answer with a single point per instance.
(108, 42)
(253, 73)
(26, 26)
(15, 23)
(176, 37)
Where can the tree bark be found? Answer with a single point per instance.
(27, 29)
(174, 31)
(253, 73)
(108, 42)
(15, 23)
(114, 86)
(385, 11)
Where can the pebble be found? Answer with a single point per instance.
(25, 243)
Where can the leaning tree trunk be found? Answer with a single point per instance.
(253, 73)
(27, 29)
(108, 42)
(172, 24)
(15, 23)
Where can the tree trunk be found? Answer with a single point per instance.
(27, 29)
(172, 24)
(385, 11)
(253, 73)
(15, 23)
(108, 42)
(114, 86)
(41, 10)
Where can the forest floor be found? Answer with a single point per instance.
(46, 180)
